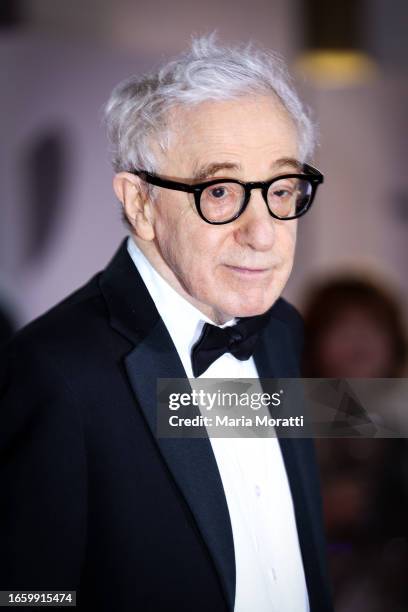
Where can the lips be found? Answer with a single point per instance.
(248, 271)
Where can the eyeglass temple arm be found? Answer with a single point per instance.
(311, 170)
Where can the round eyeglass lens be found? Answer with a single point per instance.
(288, 197)
(222, 201)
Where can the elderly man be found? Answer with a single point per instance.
(209, 154)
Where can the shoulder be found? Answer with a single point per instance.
(50, 371)
(285, 312)
(65, 324)
(289, 316)
(49, 349)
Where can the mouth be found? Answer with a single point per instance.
(248, 272)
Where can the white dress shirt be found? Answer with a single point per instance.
(269, 568)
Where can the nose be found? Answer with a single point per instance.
(256, 227)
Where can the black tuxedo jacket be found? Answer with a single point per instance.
(91, 499)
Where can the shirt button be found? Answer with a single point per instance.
(257, 490)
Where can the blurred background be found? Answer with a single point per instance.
(60, 223)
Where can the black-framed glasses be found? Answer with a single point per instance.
(220, 201)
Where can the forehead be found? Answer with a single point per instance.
(247, 130)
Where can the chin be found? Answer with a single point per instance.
(249, 308)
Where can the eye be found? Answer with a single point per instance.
(282, 192)
(218, 191)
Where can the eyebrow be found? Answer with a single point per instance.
(207, 170)
(289, 161)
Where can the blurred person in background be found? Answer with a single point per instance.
(210, 155)
(354, 328)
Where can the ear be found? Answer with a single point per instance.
(133, 195)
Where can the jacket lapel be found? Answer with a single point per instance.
(191, 461)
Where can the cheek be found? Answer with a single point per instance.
(187, 244)
(285, 243)
(198, 252)
(290, 236)
(169, 223)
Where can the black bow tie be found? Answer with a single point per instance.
(239, 340)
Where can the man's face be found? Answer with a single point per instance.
(238, 269)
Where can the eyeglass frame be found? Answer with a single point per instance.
(314, 176)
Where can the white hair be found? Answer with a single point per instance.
(138, 108)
